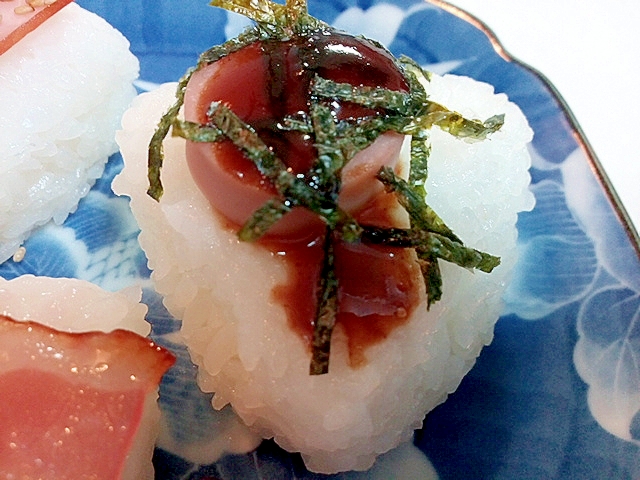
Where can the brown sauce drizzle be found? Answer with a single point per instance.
(378, 290)
(379, 287)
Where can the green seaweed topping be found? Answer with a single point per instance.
(196, 132)
(439, 245)
(326, 311)
(423, 217)
(336, 141)
(294, 190)
(274, 20)
(156, 150)
(367, 96)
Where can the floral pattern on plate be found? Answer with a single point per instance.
(556, 395)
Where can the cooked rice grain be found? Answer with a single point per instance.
(63, 89)
(238, 336)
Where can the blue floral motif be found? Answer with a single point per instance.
(111, 169)
(607, 357)
(574, 249)
(550, 242)
(189, 415)
(52, 252)
(98, 242)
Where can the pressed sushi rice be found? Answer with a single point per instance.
(72, 305)
(238, 335)
(63, 89)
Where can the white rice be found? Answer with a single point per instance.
(63, 89)
(238, 336)
(72, 305)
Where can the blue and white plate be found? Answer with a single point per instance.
(557, 393)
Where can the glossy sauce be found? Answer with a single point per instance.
(263, 83)
(73, 403)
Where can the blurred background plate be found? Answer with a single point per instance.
(555, 396)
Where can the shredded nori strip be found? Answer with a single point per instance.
(156, 150)
(197, 132)
(422, 215)
(438, 245)
(326, 311)
(336, 142)
(263, 219)
(367, 96)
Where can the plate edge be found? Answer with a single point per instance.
(579, 136)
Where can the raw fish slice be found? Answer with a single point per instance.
(76, 405)
(17, 18)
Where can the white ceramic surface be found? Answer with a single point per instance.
(589, 51)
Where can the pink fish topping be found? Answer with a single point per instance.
(19, 17)
(71, 404)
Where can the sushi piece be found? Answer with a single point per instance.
(76, 405)
(325, 300)
(66, 80)
(18, 18)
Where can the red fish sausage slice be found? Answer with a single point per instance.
(73, 403)
(18, 18)
(263, 83)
